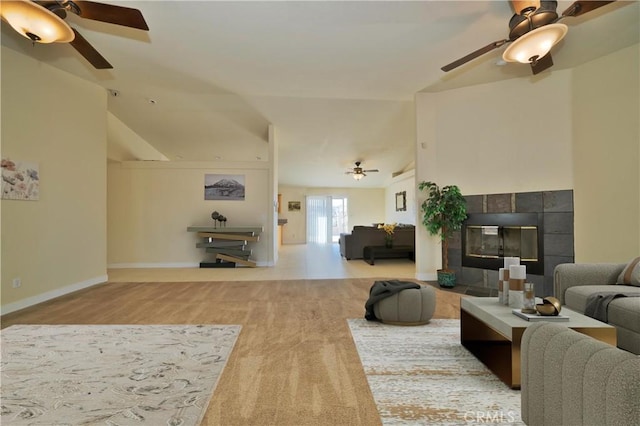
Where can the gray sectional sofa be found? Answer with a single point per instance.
(578, 285)
(353, 244)
(569, 378)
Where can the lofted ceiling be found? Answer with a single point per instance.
(335, 78)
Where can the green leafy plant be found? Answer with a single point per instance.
(444, 210)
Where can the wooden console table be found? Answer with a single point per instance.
(228, 245)
(370, 253)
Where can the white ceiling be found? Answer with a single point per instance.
(337, 79)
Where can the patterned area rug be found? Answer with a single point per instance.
(111, 374)
(423, 376)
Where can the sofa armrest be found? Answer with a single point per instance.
(572, 274)
(570, 378)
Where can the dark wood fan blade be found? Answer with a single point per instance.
(90, 54)
(542, 64)
(372, 170)
(581, 7)
(111, 14)
(473, 55)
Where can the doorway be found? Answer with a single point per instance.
(327, 217)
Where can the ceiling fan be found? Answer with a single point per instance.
(43, 22)
(358, 173)
(533, 31)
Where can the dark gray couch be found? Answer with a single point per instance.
(352, 245)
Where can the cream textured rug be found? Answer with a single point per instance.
(423, 376)
(111, 374)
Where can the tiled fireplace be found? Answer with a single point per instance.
(535, 226)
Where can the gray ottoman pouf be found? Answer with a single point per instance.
(411, 306)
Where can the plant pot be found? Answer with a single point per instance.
(446, 279)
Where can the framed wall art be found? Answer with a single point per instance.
(224, 187)
(20, 180)
(401, 201)
(294, 206)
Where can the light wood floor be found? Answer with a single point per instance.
(294, 363)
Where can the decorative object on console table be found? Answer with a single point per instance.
(217, 217)
(388, 237)
(444, 211)
(229, 245)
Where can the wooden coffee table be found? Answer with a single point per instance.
(491, 332)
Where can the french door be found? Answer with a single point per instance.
(326, 218)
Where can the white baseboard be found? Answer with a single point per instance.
(168, 265)
(153, 265)
(34, 300)
(425, 276)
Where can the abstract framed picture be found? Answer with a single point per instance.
(224, 187)
(20, 180)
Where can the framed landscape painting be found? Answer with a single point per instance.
(224, 187)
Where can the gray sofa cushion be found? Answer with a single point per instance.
(576, 297)
(630, 275)
(625, 312)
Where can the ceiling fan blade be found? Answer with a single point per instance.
(581, 7)
(542, 64)
(473, 55)
(89, 52)
(371, 170)
(111, 14)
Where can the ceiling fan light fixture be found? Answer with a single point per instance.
(35, 22)
(358, 176)
(534, 44)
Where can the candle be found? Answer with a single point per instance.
(508, 261)
(517, 275)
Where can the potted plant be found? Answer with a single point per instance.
(444, 210)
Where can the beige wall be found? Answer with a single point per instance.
(405, 182)
(151, 204)
(573, 129)
(58, 243)
(508, 136)
(365, 206)
(606, 158)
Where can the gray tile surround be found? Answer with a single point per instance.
(557, 210)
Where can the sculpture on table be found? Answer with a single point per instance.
(217, 217)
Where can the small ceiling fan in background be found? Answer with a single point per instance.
(43, 22)
(533, 31)
(358, 172)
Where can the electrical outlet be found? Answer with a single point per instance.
(17, 282)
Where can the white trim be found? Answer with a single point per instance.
(171, 265)
(34, 300)
(425, 276)
(153, 265)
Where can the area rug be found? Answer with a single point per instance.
(422, 375)
(111, 374)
